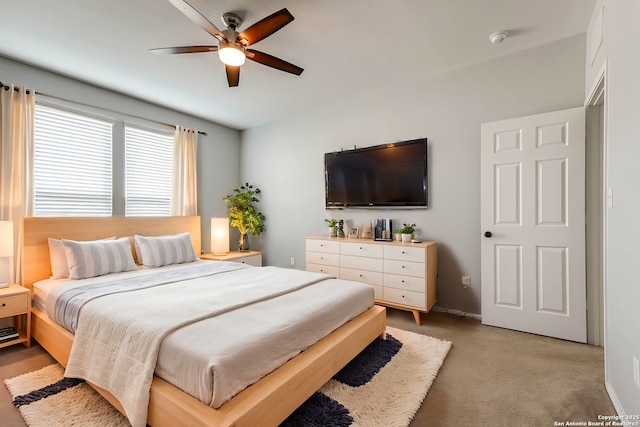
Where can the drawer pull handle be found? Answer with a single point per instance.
(402, 281)
(3, 304)
(403, 252)
(360, 275)
(403, 266)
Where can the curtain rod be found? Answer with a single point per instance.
(6, 87)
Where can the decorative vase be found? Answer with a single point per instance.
(243, 242)
(406, 237)
(333, 231)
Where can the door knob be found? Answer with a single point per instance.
(487, 234)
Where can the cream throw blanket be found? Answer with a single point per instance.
(118, 336)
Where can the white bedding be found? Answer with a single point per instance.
(215, 358)
(41, 290)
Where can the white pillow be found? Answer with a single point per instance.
(95, 258)
(165, 250)
(58, 258)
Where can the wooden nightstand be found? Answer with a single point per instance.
(15, 301)
(246, 257)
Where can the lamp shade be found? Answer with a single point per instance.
(6, 238)
(219, 236)
(231, 53)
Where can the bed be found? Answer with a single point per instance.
(267, 402)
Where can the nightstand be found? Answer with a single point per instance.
(15, 301)
(246, 257)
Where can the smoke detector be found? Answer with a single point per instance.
(498, 37)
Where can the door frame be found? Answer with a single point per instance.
(596, 234)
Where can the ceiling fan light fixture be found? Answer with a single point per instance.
(231, 53)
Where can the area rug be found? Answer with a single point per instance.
(383, 386)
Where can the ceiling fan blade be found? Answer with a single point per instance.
(265, 27)
(273, 62)
(233, 75)
(198, 19)
(183, 49)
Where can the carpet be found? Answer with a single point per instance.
(383, 386)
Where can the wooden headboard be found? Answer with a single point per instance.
(37, 230)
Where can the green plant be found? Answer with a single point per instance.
(331, 222)
(242, 212)
(408, 229)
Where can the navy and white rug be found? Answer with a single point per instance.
(383, 386)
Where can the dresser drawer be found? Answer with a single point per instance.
(399, 296)
(404, 253)
(14, 304)
(323, 258)
(409, 283)
(361, 263)
(326, 269)
(405, 268)
(366, 276)
(327, 246)
(368, 250)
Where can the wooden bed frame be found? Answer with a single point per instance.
(265, 403)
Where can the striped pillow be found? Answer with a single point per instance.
(165, 250)
(58, 258)
(98, 257)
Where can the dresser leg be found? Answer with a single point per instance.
(416, 316)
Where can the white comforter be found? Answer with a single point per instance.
(117, 343)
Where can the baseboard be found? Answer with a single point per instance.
(614, 398)
(457, 312)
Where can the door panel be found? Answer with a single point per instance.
(532, 185)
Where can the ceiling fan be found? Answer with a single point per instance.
(232, 45)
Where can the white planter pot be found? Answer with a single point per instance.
(406, 237)
(398, 236)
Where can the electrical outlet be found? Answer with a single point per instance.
(466, 281)
(293, 261)
(636, 371)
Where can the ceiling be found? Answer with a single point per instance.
(345, 47)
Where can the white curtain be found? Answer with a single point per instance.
(17, 109)
(184, 197)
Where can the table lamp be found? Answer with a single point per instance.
(219, 236)
(6, 252)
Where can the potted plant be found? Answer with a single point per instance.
(407, 232)
(332, 223)
(243, 214)
(397, 234)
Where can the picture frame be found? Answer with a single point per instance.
(353, 232)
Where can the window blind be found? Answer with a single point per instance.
(72, 163)
(148, 172)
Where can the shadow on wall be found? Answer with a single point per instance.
(451, 293)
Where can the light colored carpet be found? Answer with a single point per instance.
(391, 398)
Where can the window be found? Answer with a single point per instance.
(72, 163)
(148, 172)
(91, 162)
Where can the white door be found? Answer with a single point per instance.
(533, 224)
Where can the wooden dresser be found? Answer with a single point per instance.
(403, 275)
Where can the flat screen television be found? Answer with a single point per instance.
(382, 176)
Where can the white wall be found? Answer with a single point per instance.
(619, 50)
(285, 158)
(218, 151)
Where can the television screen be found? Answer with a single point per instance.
(388, 175)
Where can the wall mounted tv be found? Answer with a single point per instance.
(383, 176)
